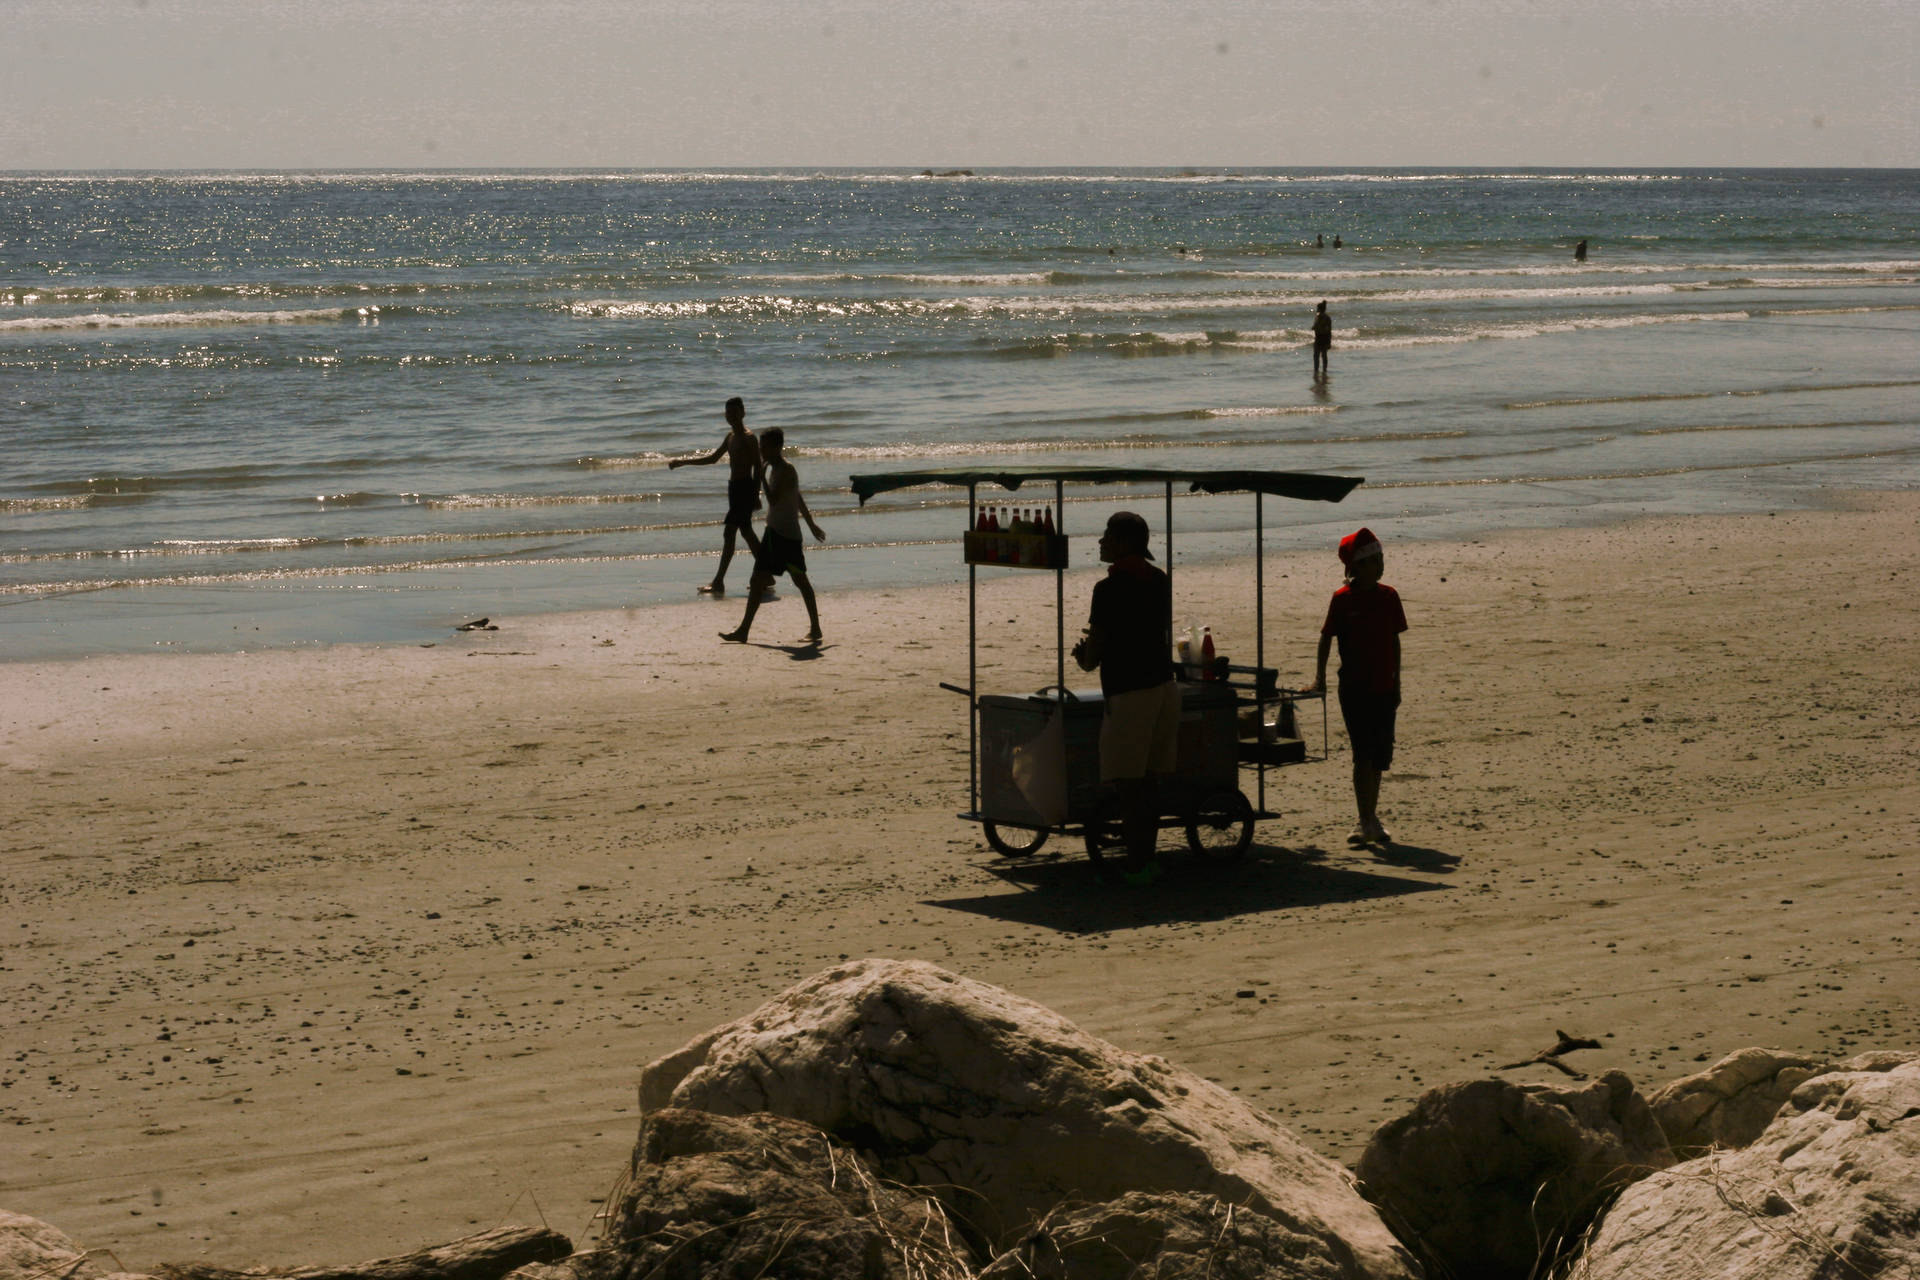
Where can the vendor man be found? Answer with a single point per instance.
(1127, 638)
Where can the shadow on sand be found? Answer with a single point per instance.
(1061, 890)
(799, 650)
(1417, 857)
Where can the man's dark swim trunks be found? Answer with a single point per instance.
(743, 499)
(779, 553)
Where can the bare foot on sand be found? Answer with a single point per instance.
(714, 589)
(735, 637)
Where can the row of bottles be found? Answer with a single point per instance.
(1201, 653)
(1016, 536)
(1015, 520)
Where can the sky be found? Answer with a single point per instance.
(287, 84)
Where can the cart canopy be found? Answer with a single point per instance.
(1281, 484)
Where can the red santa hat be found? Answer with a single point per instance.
(1357, 546)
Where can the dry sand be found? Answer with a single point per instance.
(311, 957)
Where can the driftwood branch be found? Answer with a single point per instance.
(487, 1256)
(1551, 1057)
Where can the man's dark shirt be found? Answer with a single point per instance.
(1133, 612)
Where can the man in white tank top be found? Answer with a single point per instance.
(781, 550)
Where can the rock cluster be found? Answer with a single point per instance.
(891, 1121)
(1829, 1189)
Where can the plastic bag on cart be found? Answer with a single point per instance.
(1039, 769)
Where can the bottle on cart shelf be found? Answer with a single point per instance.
(1183, 647)
(1289, 726)
(1046, 521)
(1206, 654)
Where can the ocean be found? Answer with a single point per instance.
(244, 410)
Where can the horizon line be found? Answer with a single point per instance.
(1197, 169)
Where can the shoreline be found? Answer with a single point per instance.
(322, 955)
(416, 606)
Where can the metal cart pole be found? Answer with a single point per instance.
(973, 670)
(1060, 601)
(1259, 638)
(1169, 505)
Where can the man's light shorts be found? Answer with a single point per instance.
(1140, 734)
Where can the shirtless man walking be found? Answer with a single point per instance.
(781, 550)
(742, 452)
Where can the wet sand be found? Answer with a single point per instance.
(313, 957)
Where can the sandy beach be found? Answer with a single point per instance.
(318, 956)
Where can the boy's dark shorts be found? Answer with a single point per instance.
(779, 553)
(1369, 717)
(743, 499)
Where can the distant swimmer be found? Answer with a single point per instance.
(1580, 252)
(742, 451)
(1336, 242)
(1322, 340)
(1319, 242)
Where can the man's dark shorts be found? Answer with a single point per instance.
(779, 553)
(743, 499)
(1369, 717)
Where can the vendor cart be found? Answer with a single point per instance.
(1034, 759)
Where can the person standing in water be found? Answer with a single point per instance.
(742, 451)
(1322, 340)
(781, 550)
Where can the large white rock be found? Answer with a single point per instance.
(1005, 1109)
(1733, 1101)
(1831, 1189)
(34, 1250)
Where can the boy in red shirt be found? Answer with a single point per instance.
(1365, 616)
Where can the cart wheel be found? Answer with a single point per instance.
(1104, 834)
(1028, 841)
(1221, 824)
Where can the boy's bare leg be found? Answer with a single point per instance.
(1366, 795)
(718, 586)
(755, 586)
(801, 581)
